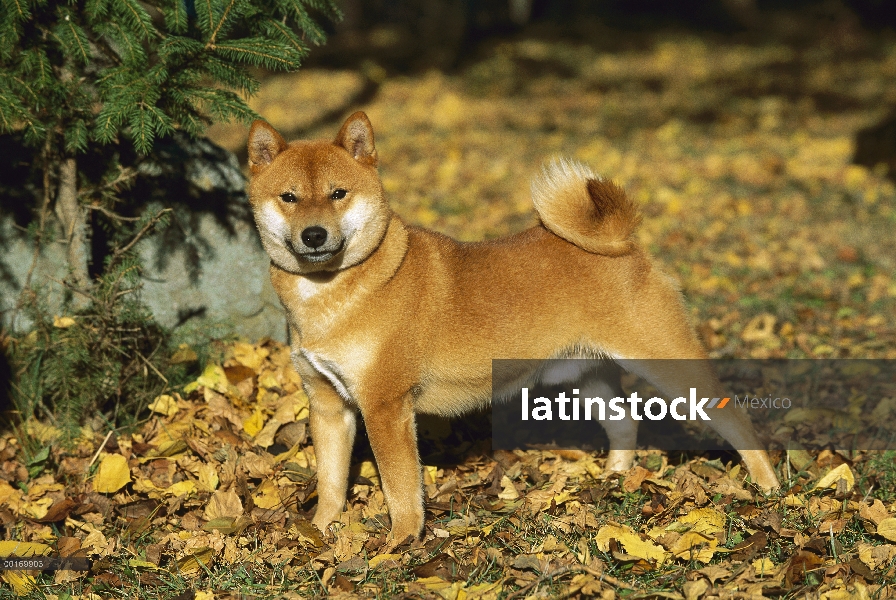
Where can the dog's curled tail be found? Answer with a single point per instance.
(584, 209)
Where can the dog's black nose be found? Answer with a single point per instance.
(314, 237)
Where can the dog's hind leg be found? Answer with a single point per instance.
(676, 363)
(675, 378)
(604, 381)
(599, 378)
(658, 343)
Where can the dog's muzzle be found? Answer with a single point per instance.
(316, 239)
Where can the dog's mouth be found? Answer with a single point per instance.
(320, 256)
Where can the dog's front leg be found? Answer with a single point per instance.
(333, 425)
(392, 429)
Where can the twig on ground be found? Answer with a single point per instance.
(100, 449)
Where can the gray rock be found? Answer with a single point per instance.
(232, 283)
(208, 265)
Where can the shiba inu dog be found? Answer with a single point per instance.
(388, 320)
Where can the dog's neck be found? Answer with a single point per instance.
(306, 296)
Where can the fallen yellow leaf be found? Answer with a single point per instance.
(164, 405)
(212, 377)
(705, 520)
(249, 355)
(183, 354)
(21, 581)
(182, 488)
(254, 424)
(63, 322)
(509, 491)
(695, 546)
(208, 477)
(631, 541)
(834, 475)
(887, 529)
(267, 495)
(192, 564)
(763, 566)
(761, 327)
(112, 474)
(369, 471)
(381, 558)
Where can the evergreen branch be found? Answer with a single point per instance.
(105, 128)
(176, 16)
(225, 72)
(21, 11)
(137, 16)
(260, 52)
(141, 129)
(125, 175)
(131, 51)
(77, 36)
(152, 223)
(96, 9)
(76, 137)
(286, 34)
(37, 65)
(35, 97)
(176, 46)
(225, 105)
(207, 4)
(302, 19)
(211, 40)
(11, 108)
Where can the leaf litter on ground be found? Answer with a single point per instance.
(221, 480)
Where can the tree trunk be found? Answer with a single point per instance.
(73, 218)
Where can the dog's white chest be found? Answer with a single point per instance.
(331, 371)
(307, 288)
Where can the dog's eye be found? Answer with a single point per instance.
(288, 197)
(338, 194)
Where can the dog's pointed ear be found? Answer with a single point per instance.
(264, 145)
(356, 136)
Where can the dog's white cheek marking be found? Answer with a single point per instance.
(274, 223)
(326, 369)
(359, 213)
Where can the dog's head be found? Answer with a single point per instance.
(319, 205)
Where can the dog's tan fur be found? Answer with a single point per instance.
(389, 320)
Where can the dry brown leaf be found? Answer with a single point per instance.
(875, 512)
(224, 503)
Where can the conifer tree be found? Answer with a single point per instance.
(78, 73)
(78, 76)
